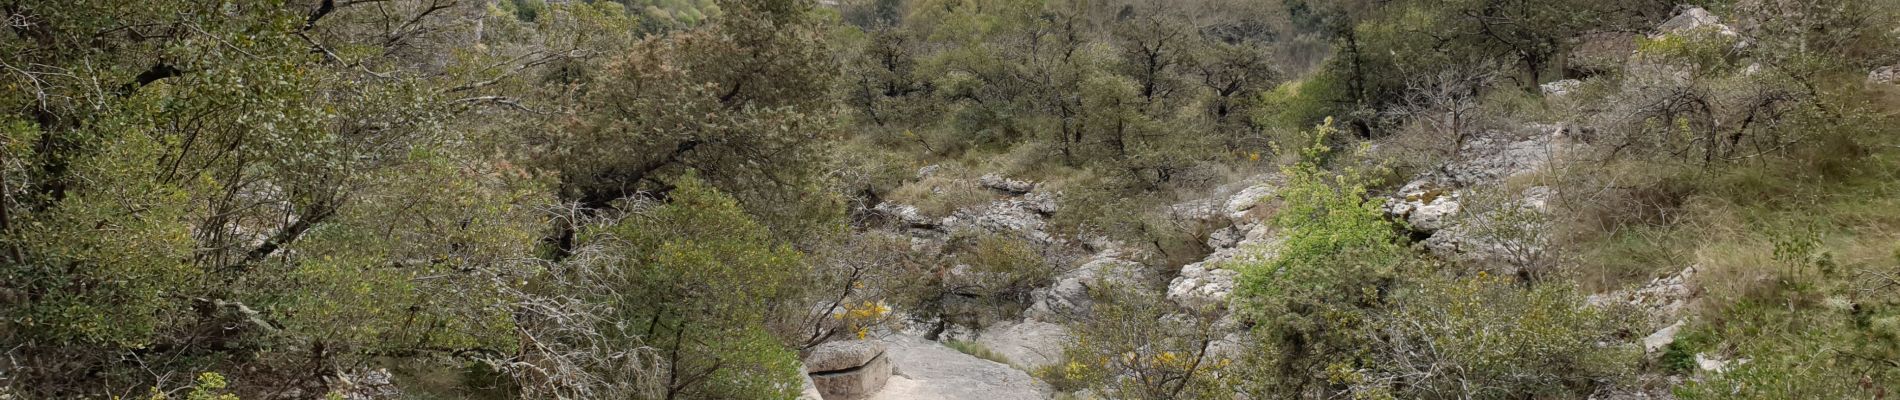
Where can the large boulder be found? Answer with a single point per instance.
(849, 370)
(842, 355)
(1694, 19)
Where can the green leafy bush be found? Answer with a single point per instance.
(1138, 345)
(1337, 261)
(698, 278)
(1487, 336)
(990, 278)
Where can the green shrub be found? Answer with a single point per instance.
(1138, 345)
(1297, 104)
(697, 279)
(1679, 356)
(1830, 352)
(104, 266)
(1337, 260)
(997, 274)
(1813, 318)
(1114, 208)
(1488, 336)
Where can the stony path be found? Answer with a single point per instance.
(929, 371)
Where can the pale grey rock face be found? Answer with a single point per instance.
(1227, 237)
(927, 370)
(1508, 237)
(1494, 157)
(1228, 205)
(1028, 344)
(1204, 211)
(1206, 286)
(1662, 338)
(1006, 185)
(1560, 88)
(906, 215)
(1069, 296)
(1007, 216)
(1201, 288)
(1662, 299)
(1424, 205)
(1441, 203)
(1039, 202)
(1249, 198)
(1692, 19)
(1888, 75)
(1230, 347)
(1429, 201)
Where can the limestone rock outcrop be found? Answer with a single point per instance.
(1560, 88)
(1692, 19)
(1199, 287)
(1006, 185)
(1438, 204)
(1887, 75)
(1069, 296)
(1662, 299)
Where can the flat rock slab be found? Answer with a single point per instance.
(1029, 344)
(843, 355)
(854, 384)
(927, 370)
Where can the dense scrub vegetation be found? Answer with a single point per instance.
(674, 199)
